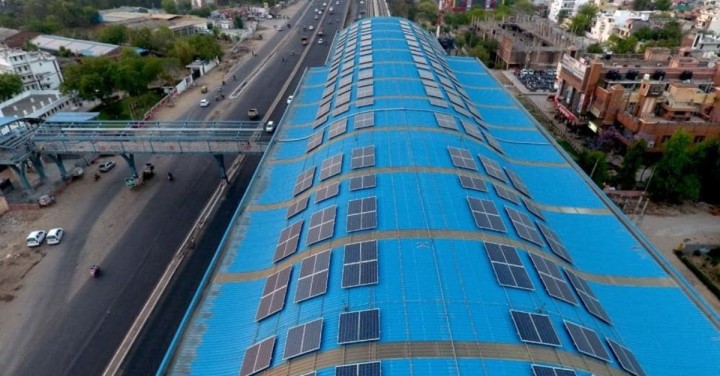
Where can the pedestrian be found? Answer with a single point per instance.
(292, 52)
(223, 82)
(283, 60)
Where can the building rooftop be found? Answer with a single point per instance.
(82, 47)
(72, 117)
(27, 103)
(431, 227)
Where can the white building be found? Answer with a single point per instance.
(38, 70)
(706, 43)
(708, 20)
(571, 6)
(606, 22)
(36, 104)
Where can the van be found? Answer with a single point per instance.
(35, 238)
(54, 236)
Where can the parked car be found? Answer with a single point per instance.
(106, 166)
(35, 238)
(270, 127)
(55, 235)
(204, 103)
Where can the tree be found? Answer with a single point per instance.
(426, 11)
(10, 84)
(595, 48)
(114, 34)
(562, 15)
(239, 24)
(626, 177)
(205, 46)
(594, 163)
(707, 167)
(90, 79)
(622, 46)
(674, 179)
(583, 20)
(663, 5)
(642, 5)
(169, 6)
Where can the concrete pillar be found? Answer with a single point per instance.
(221, 165)
(57, 158)
(130, 159)
(39, 167)
(20, 172)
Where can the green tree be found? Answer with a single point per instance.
(594, 163)
(663, 5)
(634, 158)
(674, 179)
(707, 166)
(426, 11)
(169, 6)
(239, 24)
(595, 48)
(562, 15)
(90, 79)
(205, 46)
(642, 5)
(185, 6)
(10, 84)
(622, 46)
(583, 20)
(203, 12)
(113, 34)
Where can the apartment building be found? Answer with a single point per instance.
(571, 6)
(608, 23)
(38, 70)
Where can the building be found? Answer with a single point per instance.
(38, 70)
(607, 23)
(55, 44)
(38, 104)
(702, 43)
(570, 7)
(431, 227)
(708, 20)
(180, 25)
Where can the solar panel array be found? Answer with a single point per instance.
(258, 357)
(359, 326)
(273, 297)
(362, 182)
(485, 214)
(539, 370)
(532, 208)
(471, 129)
(362, 214)
(555, 245)
(287, 244)
(315, 140)
(493, 142)
(506, 193)
(297, 206)
(535, 328)
(337, 128)
(360, 265)
(322, 225)
(304, 181)
(552, 279)
(462, 158)
(524, 226)
(587, 297)
(474, 183)
(331, 166)
(509, 270)
(303, 339)
(326, 192)
(363, 157)
(313, 278)
(517, 182)
(587, 341)
(446, 121)
(492, 168)
(365, 119)
(626, 358)
(359, 369)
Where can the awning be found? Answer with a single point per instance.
(569, 115)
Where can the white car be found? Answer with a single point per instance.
(55, 235)
(35, 238)
(311, 27)
(106, 166)
(270, 127)
(321, 41)
(316, 17)
(204, 103)
(290, 98)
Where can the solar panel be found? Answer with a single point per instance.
(359, 326)
(337, 128)
(327, 192)
(446, 121)
(297, 206)
(474, 183)
(322, 225)
(437, 102)
(506, 193)
(587, 297)
(364, 120)
(315, 140)
(552, 279)
(313, 276)
(492, 168)
(555, 245)
(303, 339)
(359, 369)
(362, 214)
(340, 109)
(363, 157)
(509, 270)
(433, 92)
(365, 73)
(273, 297)
(364, 102)
(524, 226)
(539, 370)
(535, 328)
(304, 181)
(462, 158)
(626, 358)
(471, 129)
(532, 208)
(331, 166)
(363, 92)
(517, 182)
(287, 244)
(360, 265)
(362, 182)
(493, 142)
(587, 341)
(342, 98)
(485, 214)
(258, 357)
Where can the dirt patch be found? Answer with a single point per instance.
(17, 260)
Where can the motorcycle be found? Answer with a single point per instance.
(94, 271)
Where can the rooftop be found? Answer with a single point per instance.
(82, 47)
(27, 103)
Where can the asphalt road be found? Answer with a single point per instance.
(77, 334)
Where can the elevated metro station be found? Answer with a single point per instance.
(410, 218)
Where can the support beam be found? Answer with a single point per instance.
(39, 167)
(58, 159)
(20, 172)
(130, 159)
(221, 165)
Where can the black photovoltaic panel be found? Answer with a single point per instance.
(555, 245)
(362, 214)
(446, 121)
(359, 326)
(322, 225)
(287, 244)
(587, 297)
(359, 369)
(337, 128)
(539, 370)
(304, 181)
(365, 119)
(493, 142)
(362, 182)
(517, 182)
(524, 226)
(258, 357)
(303, 339)
(331, 166)
(327, 192)
(508, 268)
(313, 276)
(552, 279)
(462, 158)
(626, 358)
(587, 341)
(360, 265)
(297, 206)
(535, 328)
(485, 214)
(363, 157)
(506, 193)
(273, 298)
(532, 208)
(474, 183)
(492, 168)
(315, 140)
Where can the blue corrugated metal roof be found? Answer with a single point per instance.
(72, 117)
(441, 307)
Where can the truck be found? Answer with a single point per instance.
(304, 41)
(253, 114)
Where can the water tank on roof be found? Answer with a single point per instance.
(646, 76)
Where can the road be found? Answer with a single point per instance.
(75, 332)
